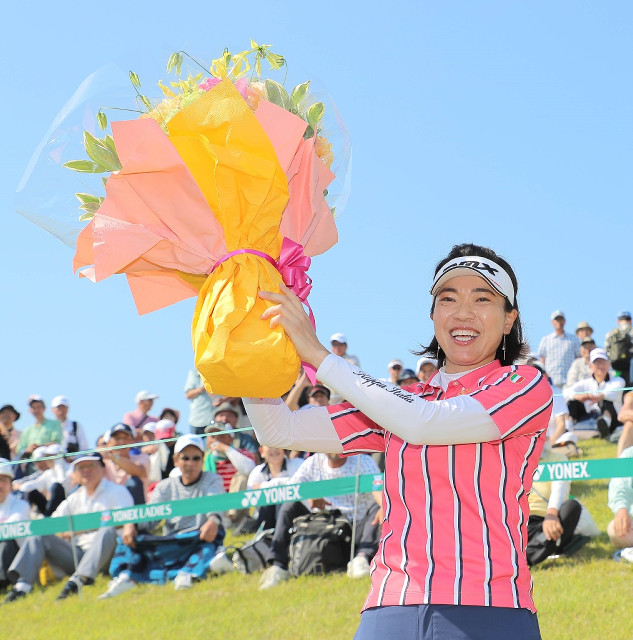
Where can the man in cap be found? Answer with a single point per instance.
(48, 486)
(618, 343)
(93, 549)
(188, 543)
(583, 330)
(228, 414)
(319, 396)
(425, 368)
(594, 402)
(73, 438)
(126, 466)
(42, 432)
(12, 509)
(339, 348)
(395, 369)
(8, 416)
(140, 416)
(558, 350)
(408, 378)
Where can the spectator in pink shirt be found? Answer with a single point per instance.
(126, 466)
(140, 416)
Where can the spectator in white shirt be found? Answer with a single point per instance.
(580, 367)
(93, 549)
(594, 402)
(12, 509)
(558, 350)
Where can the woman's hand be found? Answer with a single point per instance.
(288, 313)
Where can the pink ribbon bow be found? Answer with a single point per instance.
(293, 266)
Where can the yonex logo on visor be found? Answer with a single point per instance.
(493, 273)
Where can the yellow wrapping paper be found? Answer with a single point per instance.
(235, 165)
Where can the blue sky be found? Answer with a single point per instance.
(506, 124)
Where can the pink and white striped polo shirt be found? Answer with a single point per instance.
(456, 515)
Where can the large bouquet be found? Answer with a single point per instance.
(217, 190)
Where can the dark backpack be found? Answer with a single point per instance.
(618, 346)
(320, 543)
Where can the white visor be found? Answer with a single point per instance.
(490, 271)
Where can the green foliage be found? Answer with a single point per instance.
(276, 94)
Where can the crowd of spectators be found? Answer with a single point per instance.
(49, 469)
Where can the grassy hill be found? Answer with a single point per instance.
(581, 597)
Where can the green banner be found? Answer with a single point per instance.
(584, 469)
(545, 472)
(161, 510)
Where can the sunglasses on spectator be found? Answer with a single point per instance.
(194, 458)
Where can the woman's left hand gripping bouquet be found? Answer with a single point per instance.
(217, 190)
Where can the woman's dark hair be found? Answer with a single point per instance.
(516, 347)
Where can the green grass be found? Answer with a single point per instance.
(581, 597)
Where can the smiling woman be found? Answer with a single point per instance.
(460, 452)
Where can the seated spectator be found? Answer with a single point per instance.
(93, 549)
(47, 488)
(553, 516)
(580, 368)
(126, 466)
(317, 395)
(188, 543)
(326, 466)
(12, 509)
(42, 433)
(625, 416)
(140, 416)
(620, 529)
(276, 469)
(161, 455)
(297, 397)
(73, 436)
(425, 368)
(408, 378)
(229, 414)
(594, 402)
(8, 416)
(231, 464)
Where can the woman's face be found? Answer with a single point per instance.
(470, 319)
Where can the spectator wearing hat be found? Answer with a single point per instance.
(140, 416)
(583, 330)
(126, 466)
(395, 369)
(580, 367)
(47, 488)
(12, 509)
(73, 436)
(425, 368)
(161, 454)
(408, 378)
(339, 348)
(8, 432)
(232, 464)
(594, 402)
(319, 396)
(558, 350)
(188, 543)
(625, 416)
(229, 414)
(93, 549)
(618, 344)
(42, 432)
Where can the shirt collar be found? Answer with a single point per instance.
(469, 379)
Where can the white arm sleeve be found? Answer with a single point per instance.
(559, 493)
(306, 430)
(455, 421)
(242, 463)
